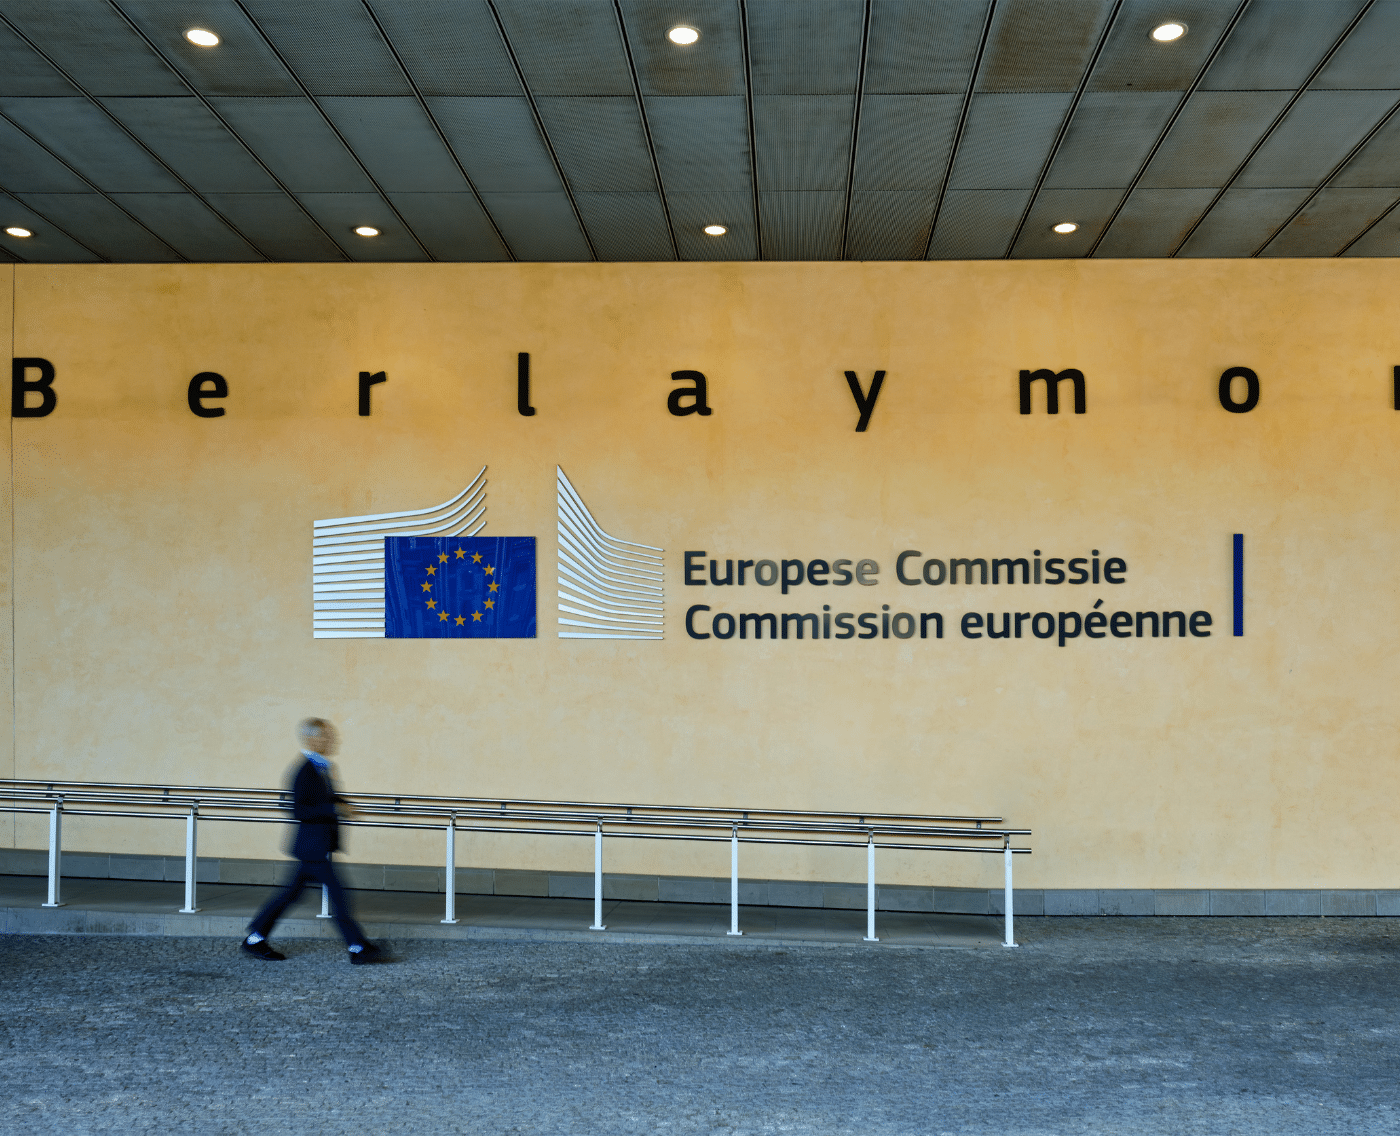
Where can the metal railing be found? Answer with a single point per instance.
(192, 804)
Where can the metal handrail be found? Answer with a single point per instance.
(810, 828)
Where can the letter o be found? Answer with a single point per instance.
(1035, 625)
(714, 626)
(942, 572)
(758, 578)
(908, 633)
(1251, 397)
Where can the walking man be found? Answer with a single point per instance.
(314, 806)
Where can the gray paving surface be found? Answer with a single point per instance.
(1094, 1026)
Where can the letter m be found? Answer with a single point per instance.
(966, 566)
(1052, 389)
(1011, 571)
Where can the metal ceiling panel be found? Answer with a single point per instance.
(48, 245)
(1090, 209)
(23, 71)
(702, 143)
(450, 47)
(1378, 163)
(1133, 61)
(340, 213)
(801, 226)
(812, 48)
(1382, 239)
(1367, 59)
(333, 46)
(626, 226)
(538, 226)
(889, 224)
(905, 141)
(497, 142)
(25, 165)
(977, 224)
(1153, 222)
(396, 142)
(600, 143)
(567, 47)
(1210, 139)
(276, 225)
(1317, 133)
(242, 64)
(803, 142)
(193, 142)
(293, 139)
(188, 225)
(94, 45)
(1242, 221)
(1041, 45)
(1277, 43)
(691, 212)
(84, 137)
(714, 65)
(1007, 140)
(453, 226)
(1330, 221)
(919, 48)
(99, 224)
(1109, 136)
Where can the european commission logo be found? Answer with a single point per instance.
(428, 574)
(459, 587)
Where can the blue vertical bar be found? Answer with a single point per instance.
(1239, 583)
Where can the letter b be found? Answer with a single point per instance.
(42, 386)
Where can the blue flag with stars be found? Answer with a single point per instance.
(454, 587)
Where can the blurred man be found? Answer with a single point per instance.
(318, 835)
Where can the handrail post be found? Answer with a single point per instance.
(451, 877)
(55, 854)
(598, 879)
(870, 890)
(191, 861)
(734, 882)
(325, 903)
(1010, 896)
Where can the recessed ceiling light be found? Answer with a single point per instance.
(1065, 227)
(1165, 33)
(202, 37)
(716, 230)
(16, 231)
(366, 231)
(683, 35)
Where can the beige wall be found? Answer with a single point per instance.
(162, 561)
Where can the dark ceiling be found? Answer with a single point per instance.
(564, 130)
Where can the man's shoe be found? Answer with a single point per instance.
(262, 950)
(368, 953)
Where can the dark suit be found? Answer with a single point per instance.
(317, 836)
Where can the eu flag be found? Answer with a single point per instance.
(456, 587)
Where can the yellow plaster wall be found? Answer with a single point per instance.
(162, 562)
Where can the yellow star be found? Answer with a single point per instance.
(432, 604)
(432, 569)
(442, 558)
(461, 555)
(489, 569)
(427, 587)
(489, 604)
(476, 558)
(476, 617)
(461, 620)
(442, 615)
(495, 586)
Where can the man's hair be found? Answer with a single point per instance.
(312, 728)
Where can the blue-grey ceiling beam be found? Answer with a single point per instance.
(855, 130)
(753, 137)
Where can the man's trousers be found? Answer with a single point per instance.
(310, 872)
